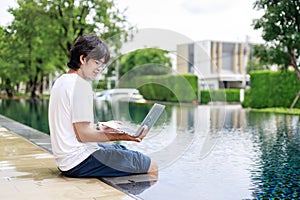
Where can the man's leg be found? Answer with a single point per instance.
(153, 169)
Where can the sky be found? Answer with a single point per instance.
(228, 20)
(223, 20)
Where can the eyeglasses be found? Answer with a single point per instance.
(100, 65)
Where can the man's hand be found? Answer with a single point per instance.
(84, 133)
(122, 136)
(143, 133)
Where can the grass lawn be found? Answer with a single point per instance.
(294, 111)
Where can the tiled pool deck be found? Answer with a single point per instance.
(28, 171)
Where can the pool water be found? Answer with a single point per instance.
(211, 152)
(224, 152)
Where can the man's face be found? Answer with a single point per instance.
(92, 68)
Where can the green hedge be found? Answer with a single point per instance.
(272, 89)
(179, 88)
(225, 95)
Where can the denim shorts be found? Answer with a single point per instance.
(109, 161)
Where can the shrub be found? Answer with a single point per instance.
(272, 89)
(224, 95)
(179, 88)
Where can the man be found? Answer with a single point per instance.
(74, 137)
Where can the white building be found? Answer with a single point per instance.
(217, 64)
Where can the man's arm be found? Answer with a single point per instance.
(85, 133)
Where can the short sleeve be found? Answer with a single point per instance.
(82, 102)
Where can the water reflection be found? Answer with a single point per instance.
(33, 113)
(276, 172)
(169, 138)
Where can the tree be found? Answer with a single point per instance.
(281, 31)
(45, 31)
(30, 33)
(157, 60)
(12, 72)
(74, 18)
(256, 64)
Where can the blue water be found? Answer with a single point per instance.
(209, 152)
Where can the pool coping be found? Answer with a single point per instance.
(37, 137)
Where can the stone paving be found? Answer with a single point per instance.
(28, 171)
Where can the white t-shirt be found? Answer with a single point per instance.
(71, 100)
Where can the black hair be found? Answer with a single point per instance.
(90, 46)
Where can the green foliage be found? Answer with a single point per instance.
(12, 72)
(100, 85)
(255, 65)
(247, 100)
(232, 95)
(287, 111)
(281, 31)
(226, 95)
(272, 89)
(271, 55)
(180, 88)
(151, 57)
(42, 32)
(29, 35)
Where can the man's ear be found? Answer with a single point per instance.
(82, 59)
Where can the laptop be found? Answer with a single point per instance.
(149, 121)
